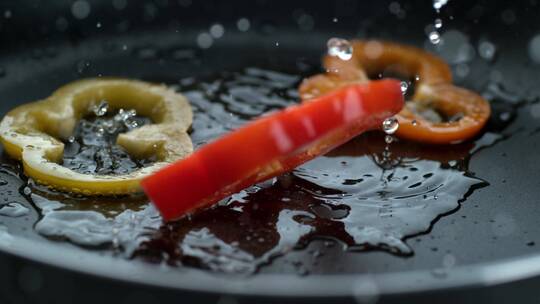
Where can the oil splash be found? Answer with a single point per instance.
(361, 195)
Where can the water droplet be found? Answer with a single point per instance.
(438, 4)
(243, 24)
(505, 116)
(80, 9)
(388, 139)
(341, 48)
(27, 190)
(100, 131)
(404, 87)
(71, 139)
(390, 125)
(438, 23)
(8, 14)
(101, 109)
(434, 37)
(98, 25)
(217, 30)
(487, 50)
(126, 117)
(449, 261)
(534, 48)
(335, 20)
(204, 40)
(414, 122)
(13, 209)
(132, 124)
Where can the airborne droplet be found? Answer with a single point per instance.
(438, 23)
(438, 4)
(434, 37)
(487, 50)
(390, 125)
(404, 87)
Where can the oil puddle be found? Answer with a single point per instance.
(364, 195)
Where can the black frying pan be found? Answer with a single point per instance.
(491, 239)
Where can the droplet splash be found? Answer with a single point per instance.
(126, 117)
(92, 147)
(341, 48)
(101, 108)
(390, 125)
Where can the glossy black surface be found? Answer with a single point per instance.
(495, 223)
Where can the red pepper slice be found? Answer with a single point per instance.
(271, 145)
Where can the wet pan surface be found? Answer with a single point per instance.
(400, 216)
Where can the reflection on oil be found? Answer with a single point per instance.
(363, 194)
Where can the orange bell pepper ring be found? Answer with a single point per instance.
(433, 83)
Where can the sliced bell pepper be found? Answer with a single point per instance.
(433, 89)
(270, 146)
(33, 132)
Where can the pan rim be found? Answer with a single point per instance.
(277, 285)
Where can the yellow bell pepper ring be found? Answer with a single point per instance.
(33, 132)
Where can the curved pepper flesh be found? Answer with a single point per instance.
(271, 145)
(433, 89)
(33, 132)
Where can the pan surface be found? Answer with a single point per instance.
(490, 238)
